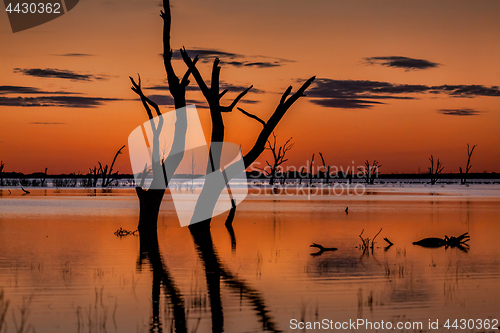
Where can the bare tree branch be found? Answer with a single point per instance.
(248, 114)
(273, 121)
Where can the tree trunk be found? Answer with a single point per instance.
(149, 207)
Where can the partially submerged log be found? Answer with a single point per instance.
(434, 242)
(124, 232)
(321, 249)
(388, 241)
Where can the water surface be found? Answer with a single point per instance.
(60, 258)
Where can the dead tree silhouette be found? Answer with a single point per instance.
(104, 173)
(434, 172)
(1, 172)
(326, 169)
(463, 176)
(207, 200)
(370, 172)
(150, 200)
(311, 174)
(278, 157)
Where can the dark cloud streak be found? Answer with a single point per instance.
(30, 90)
(57, 74)
(55, 101)
(75, 55)
(460, 112)
(44, 123)
(359, 94)
(232, 59)
(402, 62)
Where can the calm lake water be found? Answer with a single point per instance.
(62, 265)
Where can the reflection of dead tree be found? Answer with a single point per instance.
(463, 177)
(370, 172)
(4, 306)
(229, 224)
(215, 271)
(434, 172)
(278, 157)
(149, 251)
(326, 169)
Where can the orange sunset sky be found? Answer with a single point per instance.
(396, 81)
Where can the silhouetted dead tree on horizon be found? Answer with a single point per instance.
(434, 172)
(105, 174)
(278, 157)
(42, 180)
(463, 176)
(311, 174)
(326, 169)
(370, 172)
(302, 175)
(1, 172)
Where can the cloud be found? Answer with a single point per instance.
(460, 112)
(345, 103)
(28, 90)
(18, 90)
(469, 90)
(232, 59)
(249, 101)
(55, 101)
(222, 86)
(169, 100)
(402, 62)
(58, 74)
(258, 64)
(363, 94)
(162, 99)
(75, 55)
(43, 123)
(207, 55)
